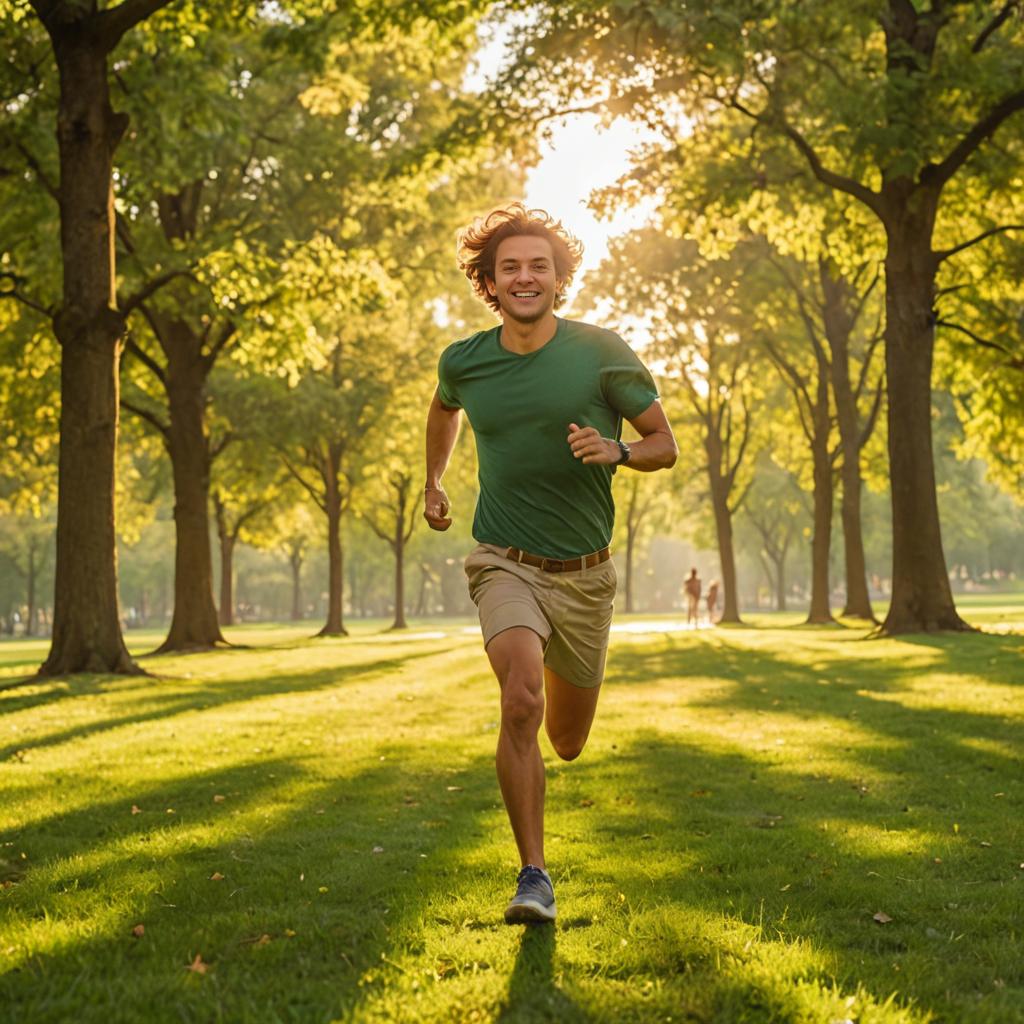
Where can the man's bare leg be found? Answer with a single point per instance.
(569, 714)
(517, 658)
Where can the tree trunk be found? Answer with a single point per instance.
(30, 587)
(858, 600)
(634, 516)
(922, 599)
(399, 622)
(837, 319)
(295, 560)
(780, 583)
(400, 482)
(86, 617)
(226, 612)
(630, 545)
(335, 625)
(723, 531)
(226, 543)
(194, 625)
(820, 612)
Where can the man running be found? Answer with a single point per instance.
(546, 398)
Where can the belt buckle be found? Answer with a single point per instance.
(552, 564)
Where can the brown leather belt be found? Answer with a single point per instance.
(559, 564)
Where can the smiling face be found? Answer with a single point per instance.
(524, 284)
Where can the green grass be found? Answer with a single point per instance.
(750, 799)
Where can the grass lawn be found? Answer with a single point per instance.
(769, 824)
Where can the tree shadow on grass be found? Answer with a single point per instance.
(290, 909)
(991, 656)
(865, 692)
(724, 859)
(158, 704)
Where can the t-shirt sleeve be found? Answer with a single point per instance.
(626, 383)
(446, 390)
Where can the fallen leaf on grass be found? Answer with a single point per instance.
(881, 917)
(454, 789)
(136, 810)
(139, 930)
(198, 966)
(216, 877)
(585, 802)
(983, 843)
(262, 940)
(289, 934)
(218, 799)
(378, 849)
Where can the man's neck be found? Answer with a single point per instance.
(524, 338)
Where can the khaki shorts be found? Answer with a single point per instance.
(570, 611)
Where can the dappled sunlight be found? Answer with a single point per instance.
(738, 817)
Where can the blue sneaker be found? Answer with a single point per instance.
(534, 899)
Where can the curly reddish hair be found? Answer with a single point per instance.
(478, 246)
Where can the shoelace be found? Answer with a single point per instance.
(531, 873)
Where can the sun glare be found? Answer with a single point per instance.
(580, 158)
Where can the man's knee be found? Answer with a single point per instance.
(522, 704)
(568, 748)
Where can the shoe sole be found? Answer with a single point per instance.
(529, 913)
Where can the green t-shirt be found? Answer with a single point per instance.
(533, 494)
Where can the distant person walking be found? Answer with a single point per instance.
(692, 589)
(546, 398)
(712, 602)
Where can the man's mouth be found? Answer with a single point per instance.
(525, 295)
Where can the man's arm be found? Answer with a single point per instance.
(656, 449)
(442, 432)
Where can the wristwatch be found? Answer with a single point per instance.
(624, 453)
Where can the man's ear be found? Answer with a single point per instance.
(492, 288)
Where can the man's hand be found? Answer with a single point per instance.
(435, 508)
(587, 444)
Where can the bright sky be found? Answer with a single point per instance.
(580, 159)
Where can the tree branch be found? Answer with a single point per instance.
(799, 385)
(148, 289)
(13, 293)
(115, 21)
(869, 355)
(862, 299)
(939, 174)
(217, 347)
(44, 179)
(320, 502)
(869, 423)
(995, 24)
(1012, 360)
(132, 346)
(218, 447)
(248, 514)
(944, 254)
(148, 416)
(839, 182)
